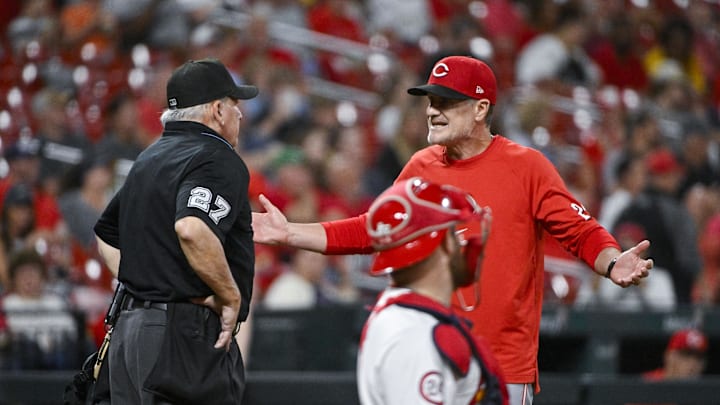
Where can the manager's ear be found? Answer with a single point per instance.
(481, 109)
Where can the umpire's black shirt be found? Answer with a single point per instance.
(189, 170)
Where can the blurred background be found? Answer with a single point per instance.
(623, 96)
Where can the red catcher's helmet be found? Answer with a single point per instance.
(408, 221)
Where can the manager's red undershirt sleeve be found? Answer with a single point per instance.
(347, 236)
(595, 242)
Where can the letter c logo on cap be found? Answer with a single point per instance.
(440, 70)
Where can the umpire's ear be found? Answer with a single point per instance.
(216, 107)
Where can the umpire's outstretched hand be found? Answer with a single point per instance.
(630, 267)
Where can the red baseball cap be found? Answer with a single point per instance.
(459, 77)
(691, 340)
(663, 161)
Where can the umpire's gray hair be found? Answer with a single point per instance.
(194, 113)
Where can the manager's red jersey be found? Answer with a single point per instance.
(528, 198)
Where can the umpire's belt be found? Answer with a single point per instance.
(134, 303)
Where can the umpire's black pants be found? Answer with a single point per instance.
(167, 356)
(135, 344)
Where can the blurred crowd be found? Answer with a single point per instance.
(623, 96)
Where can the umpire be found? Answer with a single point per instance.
(178, 235)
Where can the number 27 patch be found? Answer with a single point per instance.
(200, 197)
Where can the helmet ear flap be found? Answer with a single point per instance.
(473, 254)
(474, 246)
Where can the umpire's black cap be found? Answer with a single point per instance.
(202, 81)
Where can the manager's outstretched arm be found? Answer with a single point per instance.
(272, 228)
(624, 268)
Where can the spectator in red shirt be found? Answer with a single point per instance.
(24, 168)
(336, 18)
(618, 56)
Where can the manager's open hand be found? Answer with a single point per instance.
(269, 227)
(630, 266)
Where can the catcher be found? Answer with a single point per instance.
(414, 348)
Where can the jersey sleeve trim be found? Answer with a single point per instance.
(347, 236)
(595, 242)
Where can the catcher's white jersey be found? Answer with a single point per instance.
(399, 363)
